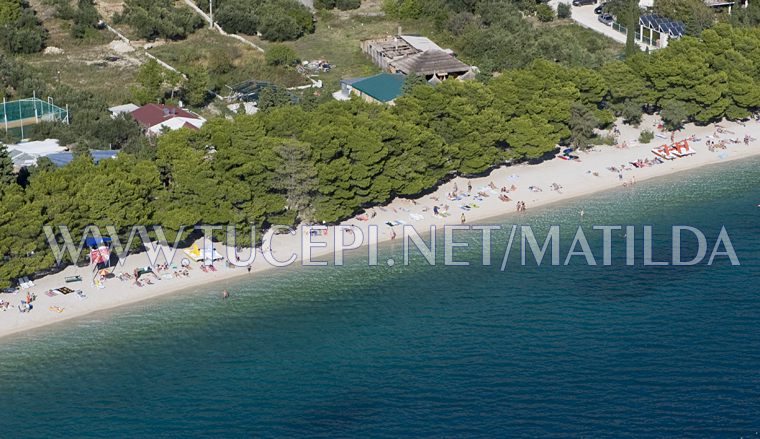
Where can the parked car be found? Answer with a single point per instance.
(606, 19)
(583, 2)
(599, 9)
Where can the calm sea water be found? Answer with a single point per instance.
(431, 351)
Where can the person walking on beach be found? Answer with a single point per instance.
(469, 186)
(249, 268)
(393, 233)
(462, 218)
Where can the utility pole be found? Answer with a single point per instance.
(211, 13)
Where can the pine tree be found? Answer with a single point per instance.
(6, 167)
(412, 81)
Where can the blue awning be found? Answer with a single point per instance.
(94, 242)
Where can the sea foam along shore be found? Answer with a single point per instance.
(577, 178)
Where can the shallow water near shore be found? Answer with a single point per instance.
(432, 351)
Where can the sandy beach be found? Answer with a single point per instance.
(575, 178)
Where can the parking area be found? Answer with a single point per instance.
(585, 16)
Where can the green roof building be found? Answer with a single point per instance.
(383, 88)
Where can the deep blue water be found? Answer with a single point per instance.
(424, 351)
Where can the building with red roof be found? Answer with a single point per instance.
(154, 118)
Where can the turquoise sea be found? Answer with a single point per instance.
(421, 351)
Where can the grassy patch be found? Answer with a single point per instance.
(88, 64)
(227, 60)
(111, 80)
(587, 38)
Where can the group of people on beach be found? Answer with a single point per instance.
(24, 306)
(153, 274)
(712, 145)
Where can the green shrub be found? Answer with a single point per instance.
(279, 28)
(276, 20)
(345, 5)
(24, 35)
(283, 20)
(603, 140)
(403, 8)
(153, 19)
(281, 55)
(544, 13)
(631, 113)
(85, 18)
(674, 113)
(237, 17)
(646, 136)
(564, 11)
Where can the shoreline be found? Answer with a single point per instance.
(578, 179)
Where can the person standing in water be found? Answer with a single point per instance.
(225, 294)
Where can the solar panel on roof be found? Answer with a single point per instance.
(662, 24)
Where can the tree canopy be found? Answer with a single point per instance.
(153, 19)
(276, 20)
(20, 29)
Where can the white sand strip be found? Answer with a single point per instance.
(577, 178)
